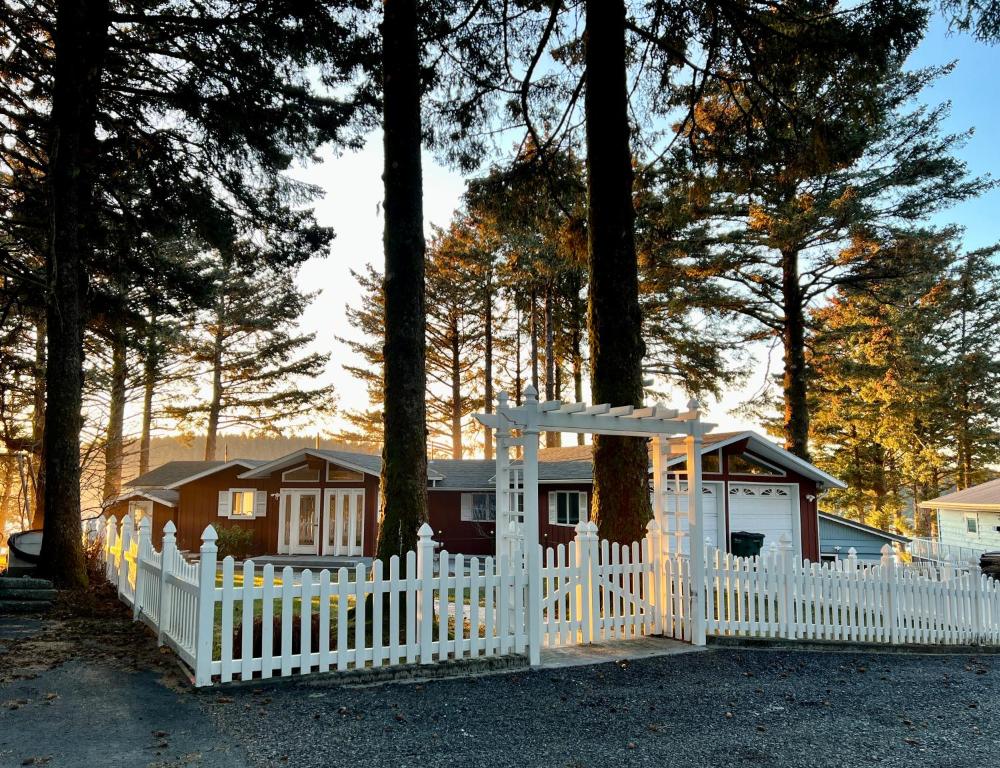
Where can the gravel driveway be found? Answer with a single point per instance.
(95, 691)
(718, 708)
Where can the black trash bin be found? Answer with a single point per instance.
(989, 563)
(745, 544)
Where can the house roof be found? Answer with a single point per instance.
(171, 472)
(764, 448)
(838, 520)
(983, 496)
(367, 463)
(475, 474)
(217, 467)
(159, 495)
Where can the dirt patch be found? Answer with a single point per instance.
(92, 624)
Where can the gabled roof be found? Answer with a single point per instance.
(983, 496)
(838, 520)
(365, 463)
(171, 472)
(159, 495)
(218, 466)
(765, 449)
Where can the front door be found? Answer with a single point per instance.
(344, 522)
(299, 522)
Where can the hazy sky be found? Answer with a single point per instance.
(353, 192)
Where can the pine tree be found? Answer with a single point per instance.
(253, 360)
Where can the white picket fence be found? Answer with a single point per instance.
(434, 609)
(430, 607)
(779, 596)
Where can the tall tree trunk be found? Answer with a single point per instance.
(80, 40)
(794, 383)
(114, 437)
(551, 438)
(149, 369)
(38, 429)
(577, 360)
(488, 368)
(518, 382)
(533, 319)
(621, 464)
(456, 389)
(215, 405)
(404, 445)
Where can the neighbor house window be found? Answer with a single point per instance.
(242, 503)
(139, 510)
(567, 507)
(971, 524)
(479, 507)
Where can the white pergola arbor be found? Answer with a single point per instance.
(512, 483)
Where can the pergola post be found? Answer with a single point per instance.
(696, 533)
(532, 549)
(502, 433)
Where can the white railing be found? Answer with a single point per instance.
(778, 596)
(228, 624)
(934, 551)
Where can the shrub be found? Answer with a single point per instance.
(235, 540)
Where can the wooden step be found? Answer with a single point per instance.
(23, 606)
(18, 583)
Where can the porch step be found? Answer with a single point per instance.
(25, 594)
(42, 595)
(21, 583)
(24, 606)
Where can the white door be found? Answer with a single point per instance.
(299, 522)
(764, 508)
(675, 503)
(344, 522)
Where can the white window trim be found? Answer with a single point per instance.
(285, 478)
(229, 511)
(974, 517)
(584, 508)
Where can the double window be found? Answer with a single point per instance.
(479, 507)
(242, 503)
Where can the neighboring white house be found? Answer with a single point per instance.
(968, 520)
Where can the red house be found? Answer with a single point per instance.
(323, 503)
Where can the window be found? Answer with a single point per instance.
(745, 464)
(710, 462)
(567, 507)
(479, 507)
(971, 524)
(139, 510)
(242, 504)
(335, 474)
(302, 474)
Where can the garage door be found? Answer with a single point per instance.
(760, 508)
(675, 501)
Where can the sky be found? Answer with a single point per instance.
(352, 187)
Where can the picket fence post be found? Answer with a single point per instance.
(167, 555)
(789, 626)
(110, 537)
(889, 575)
(425, 597)
(205, 628)
(653, 592)
(145, 531)
(593, 608)
(125, 541)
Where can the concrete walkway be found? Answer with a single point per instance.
(616, 650)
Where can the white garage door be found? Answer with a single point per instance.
(675, 501)
(760, 508)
